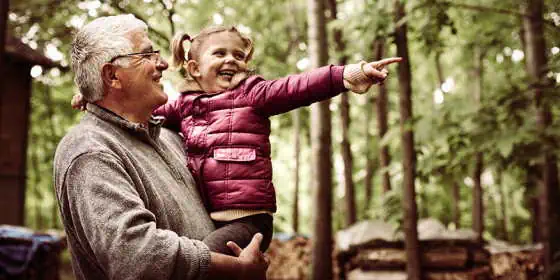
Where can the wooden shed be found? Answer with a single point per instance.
(15, 93)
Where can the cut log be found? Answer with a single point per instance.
(445, 257)
(452, 257)
(476, 274)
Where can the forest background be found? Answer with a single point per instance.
(466, 131)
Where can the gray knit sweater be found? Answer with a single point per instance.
(129, 206)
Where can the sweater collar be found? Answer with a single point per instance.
(152, 131)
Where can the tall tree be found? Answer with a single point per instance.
(455, 191)
(531, 180)
(36, 170)
(349, 194)
(456, 197)
(296, 119)
(370, 158)
(382, 123)
(537, 66)
(410, 219)
(4, 7)
(321, 267)
(477, 199)
(502, 207)
(53, 135)
(296, 122)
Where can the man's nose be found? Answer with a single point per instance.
(162, 64)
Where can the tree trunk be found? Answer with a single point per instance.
(53, 137)
(477, 199)
(297, 120)
(295, 210)
(503, 229)
(537, 66)
(349, 191)
(536, 231)
(37, 195)
(478, 208)
(4, 7)
(368, 178)
(409, 157)
(439, 69)
(532, 201)
(349, 195)
(382, 123)
(455, 203)
(321, 267)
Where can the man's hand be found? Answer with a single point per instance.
(253, 262)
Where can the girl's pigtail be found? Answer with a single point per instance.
(178, 50)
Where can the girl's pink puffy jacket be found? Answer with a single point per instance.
(226, 134)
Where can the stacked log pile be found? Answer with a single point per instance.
(514, 262)
(374, 250)
(289, 258)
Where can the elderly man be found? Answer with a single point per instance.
(129, 206)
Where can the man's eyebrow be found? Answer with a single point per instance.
(148, 49)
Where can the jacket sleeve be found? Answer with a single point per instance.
(172, 113)
(282, 95)
(120, 234)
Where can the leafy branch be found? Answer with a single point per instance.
(171, 12)
(161, 35)
(480, 8)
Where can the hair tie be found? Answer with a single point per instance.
(186, 37)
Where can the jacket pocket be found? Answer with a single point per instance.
(235, 154)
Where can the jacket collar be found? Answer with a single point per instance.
(152, 131)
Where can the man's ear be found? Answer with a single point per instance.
(193, 69)
(109, 75)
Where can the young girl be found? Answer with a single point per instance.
(223, 114)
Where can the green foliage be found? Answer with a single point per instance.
(447, 134)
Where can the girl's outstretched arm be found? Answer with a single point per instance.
(282, 95)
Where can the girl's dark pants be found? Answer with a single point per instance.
(240, 231)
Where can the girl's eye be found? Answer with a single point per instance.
(219, 53)
(239, 56)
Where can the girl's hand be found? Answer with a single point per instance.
(361, 76)
(376, 70)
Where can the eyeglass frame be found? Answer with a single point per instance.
(157, 52)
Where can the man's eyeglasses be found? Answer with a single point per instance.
(152, 56)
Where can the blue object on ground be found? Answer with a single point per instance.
(18, 247)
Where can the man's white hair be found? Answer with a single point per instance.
(97, 43)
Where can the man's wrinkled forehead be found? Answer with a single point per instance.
(140, 40)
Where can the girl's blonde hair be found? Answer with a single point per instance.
(197, 41)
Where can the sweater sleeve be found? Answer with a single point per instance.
(172, 113)
(116, 229)
(282, 95)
